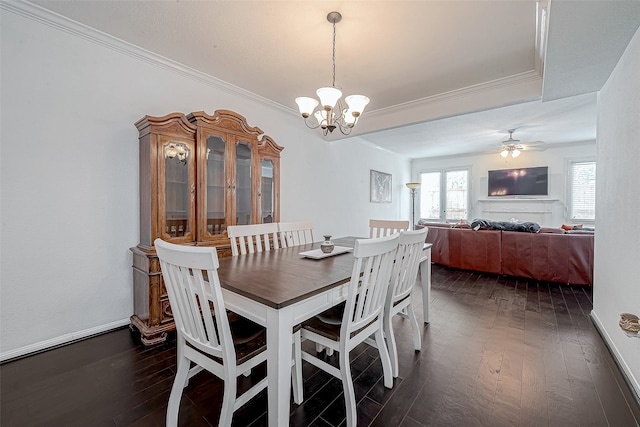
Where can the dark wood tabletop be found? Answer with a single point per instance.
(283, 277)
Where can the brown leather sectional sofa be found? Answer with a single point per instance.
(553, 255)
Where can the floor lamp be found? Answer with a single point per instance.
(413, 186)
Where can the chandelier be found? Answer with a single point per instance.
(332, 114)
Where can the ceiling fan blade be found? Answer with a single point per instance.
(533, 143)
(535, 147)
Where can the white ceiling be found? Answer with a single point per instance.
(444, 77)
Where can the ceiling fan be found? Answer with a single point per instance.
(514, 147)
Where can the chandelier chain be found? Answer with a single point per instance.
(334, 54)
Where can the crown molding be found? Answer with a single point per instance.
(466, 92)
(39, 14)
(515, 89)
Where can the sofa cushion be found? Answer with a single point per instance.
(551, 230)
(475, 250)
(551, 257)
(439, 237)
(570, 227)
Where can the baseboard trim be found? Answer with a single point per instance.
(61, 340)
(628, 376)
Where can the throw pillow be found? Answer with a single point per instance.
(571, 227)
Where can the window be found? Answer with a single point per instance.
(444, 195)
(581, 187)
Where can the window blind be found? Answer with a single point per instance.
(583, 191)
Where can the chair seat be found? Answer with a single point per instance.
(249, 338)
(332, 316)
(243, 330)
(327, 330)
(329, 322)
(398, 302)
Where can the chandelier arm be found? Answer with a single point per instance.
(344, 131)
(309, 121)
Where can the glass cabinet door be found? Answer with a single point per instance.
(266, 191)
(215, 158)
(243, 191)
(176, 222)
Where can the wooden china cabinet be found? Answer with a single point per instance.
(198, 175)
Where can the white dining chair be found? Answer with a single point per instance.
(343, 327)
(383, 227)
(403, 279)
(295, 233)
(253, 238)
(225, 344)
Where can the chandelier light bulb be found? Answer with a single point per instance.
(328, 97)
(306, 105)
(357, 103)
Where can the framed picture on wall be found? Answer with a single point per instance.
(380, 187)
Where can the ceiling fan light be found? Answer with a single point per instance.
(357, 103)
(504, 153)
(306, 105)
(328, 97)
(515, 153)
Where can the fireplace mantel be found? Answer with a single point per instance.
(522, 209)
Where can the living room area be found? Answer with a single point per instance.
(77, 77)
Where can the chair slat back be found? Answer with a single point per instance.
(369, 283)
(406, 263)
(295, 233)
(382, 227)
(190, 275)
(253, 238)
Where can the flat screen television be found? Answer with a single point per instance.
(519, 182)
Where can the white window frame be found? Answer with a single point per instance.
(570, 162)
(443, 192)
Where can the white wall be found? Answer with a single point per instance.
(554, 158)
(617, 244)
(69, 172)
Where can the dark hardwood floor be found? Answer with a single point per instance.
(500, 351)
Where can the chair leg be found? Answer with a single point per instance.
(384, 358)
(296, 370)
(349, 393)
(417, 340)
(179, 384)
(391, 345)
(228, 400)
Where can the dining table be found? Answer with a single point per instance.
(281, 288)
